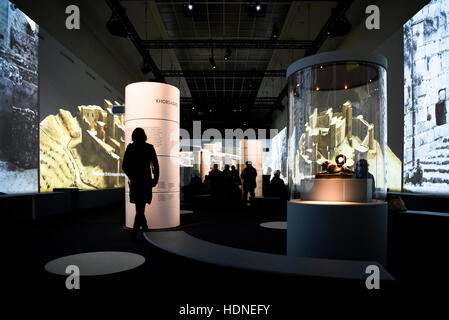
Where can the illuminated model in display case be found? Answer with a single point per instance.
(337, 155)
(337, 106)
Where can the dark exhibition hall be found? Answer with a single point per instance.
(224, 159)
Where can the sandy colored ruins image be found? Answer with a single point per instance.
(84, 151)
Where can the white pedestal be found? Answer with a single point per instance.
(357, 190)
(337, 230)
(154, 107)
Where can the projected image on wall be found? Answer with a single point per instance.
(278, 154)
(426, 91)
(83, 150)
(19, 114)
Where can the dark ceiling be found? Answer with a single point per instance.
(240, 92)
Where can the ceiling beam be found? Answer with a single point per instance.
(270, 3)
(324, 33)
(258, 100)
(236, 43)
(337, 13)
(230, 104)
(224, 73)
(120, 13)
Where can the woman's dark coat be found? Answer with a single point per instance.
(142, 168)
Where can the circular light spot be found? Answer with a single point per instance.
(96, 263)
(281, 225)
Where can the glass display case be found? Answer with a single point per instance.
(337, 136)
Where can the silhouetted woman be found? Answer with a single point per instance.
(139, 163)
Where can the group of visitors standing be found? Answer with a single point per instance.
(225, 186)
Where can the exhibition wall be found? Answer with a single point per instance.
(426, 95)
(277, 155)
(19, 111)
(81, 141)
(429, 37)
(57, 126)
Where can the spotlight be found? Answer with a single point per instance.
(189, 8)
(255, 9)
(228, 53)
(275, 33)
(115, 27)
(212, 62)
(146, 66)
(340, 27)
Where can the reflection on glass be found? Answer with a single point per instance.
(337, 122)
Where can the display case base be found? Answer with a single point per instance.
(337, 189)
(337, 230)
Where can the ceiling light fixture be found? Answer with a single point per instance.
(228, 53)
(212, 59)
(275, 33)
(188, 8)
(212, 62)
(146, 66)
(115, 26)
(255, 9)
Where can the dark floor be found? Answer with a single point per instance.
(177, 281)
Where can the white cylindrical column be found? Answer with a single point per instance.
(154, 107)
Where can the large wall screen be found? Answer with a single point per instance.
(81, 141)
(426, 94)
(19, 112)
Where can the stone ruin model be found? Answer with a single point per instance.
(331, 133)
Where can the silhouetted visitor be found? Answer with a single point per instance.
(277, 186)
(196, 182)
(228, 183)
(361, 172)
(249, 175)
(266, 188)
(235, 175)
(142, 168)
(206, 183)
(268, 173)
(194, 187)
(215, 177)
(228, 178)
